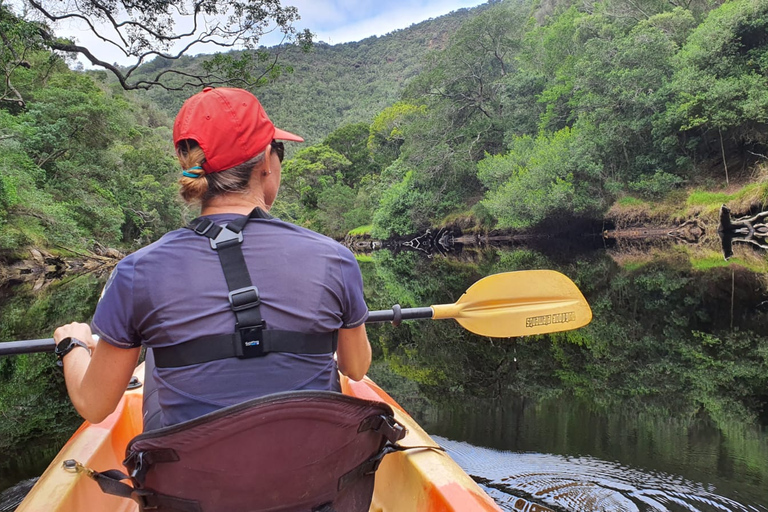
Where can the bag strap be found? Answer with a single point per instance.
(111, 482)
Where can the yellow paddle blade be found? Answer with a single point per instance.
(519, 304)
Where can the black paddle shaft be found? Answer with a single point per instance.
(396, 314)
(10, 348)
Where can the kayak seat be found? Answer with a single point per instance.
(302, 451)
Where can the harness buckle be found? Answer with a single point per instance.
(251, 342)
(224, 236)
(244, 298)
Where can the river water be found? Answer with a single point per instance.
(661, 403)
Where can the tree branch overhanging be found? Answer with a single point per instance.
(144, 29)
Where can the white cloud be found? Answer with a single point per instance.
(342, 21)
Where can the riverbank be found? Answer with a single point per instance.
(687, 215)
(40, 267)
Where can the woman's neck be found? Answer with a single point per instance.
(241, 204)
(244, 202)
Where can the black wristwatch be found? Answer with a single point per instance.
(65, 346)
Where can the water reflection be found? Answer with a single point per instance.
(584, 483)
(568, 453)
(669, 384)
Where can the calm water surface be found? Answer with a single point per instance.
(659, 404)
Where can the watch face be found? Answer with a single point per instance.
(63, 346)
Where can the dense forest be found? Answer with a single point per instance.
(510, 115)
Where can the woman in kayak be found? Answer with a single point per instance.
(222, 330)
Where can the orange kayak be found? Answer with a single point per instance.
(409, 481)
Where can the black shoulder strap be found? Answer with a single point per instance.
(251, 338)
(244, 298)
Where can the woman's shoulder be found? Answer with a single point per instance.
(170, 238)
(317, 238)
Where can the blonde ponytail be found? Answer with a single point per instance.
(191, 158)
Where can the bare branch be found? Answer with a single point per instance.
(51, 17)
(53, 156)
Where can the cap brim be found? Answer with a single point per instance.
(284, 135)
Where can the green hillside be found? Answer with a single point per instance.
(334, 85)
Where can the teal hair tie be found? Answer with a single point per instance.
(188, 174)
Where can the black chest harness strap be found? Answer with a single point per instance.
(251, 337)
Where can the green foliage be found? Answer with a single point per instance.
(33, 399)
(706, 198)
(393, 215)
(566, 109)
(361, 230)
(720, 73)
(335, 206)
(352, 141)
(311, 170)
(656, 186)
(630, 201)
(550, 50)
(660, 339)
(336, 85)
(21, 39)
(323, 189)
(146, 188)
(147, 31)
(387, 134)
(256, 68)
(80, 164)
(539, 178)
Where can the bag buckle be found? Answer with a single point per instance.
(250, 343)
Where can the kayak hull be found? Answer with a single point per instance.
(425, 479)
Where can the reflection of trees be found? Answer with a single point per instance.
(441, 356)
(33, 399)
(665, 370)
(664, 337)
(727, 451)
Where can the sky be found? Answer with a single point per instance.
(332, 22)
(342, 21)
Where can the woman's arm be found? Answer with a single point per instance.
(96, 383)
(353, 353)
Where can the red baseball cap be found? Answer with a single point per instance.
(230, 125)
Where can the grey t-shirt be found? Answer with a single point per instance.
(174, 290)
